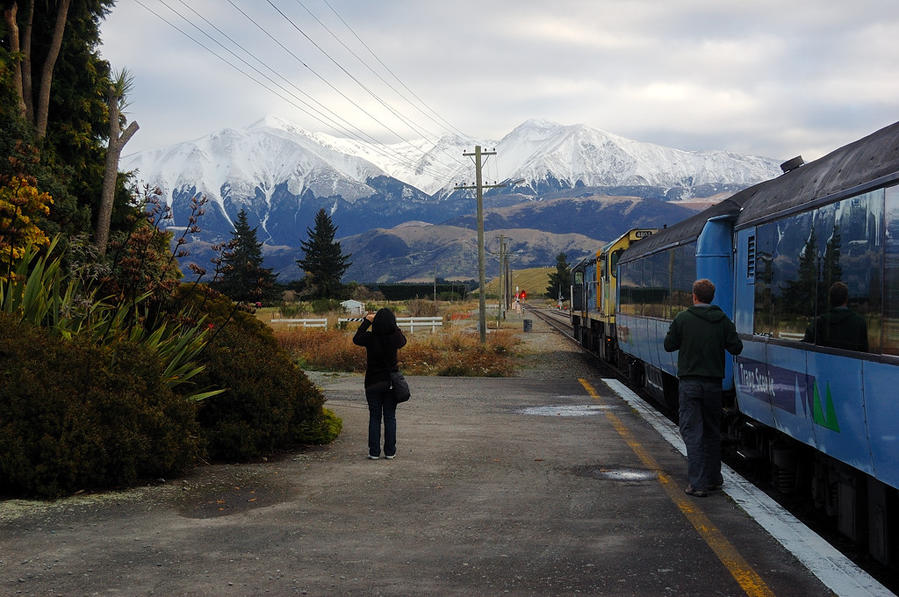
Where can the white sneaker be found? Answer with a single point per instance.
(370, 457)
(390, 457)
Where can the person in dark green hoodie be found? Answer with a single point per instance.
(840, 327)
(701, 334)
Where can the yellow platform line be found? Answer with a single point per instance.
(738, 567)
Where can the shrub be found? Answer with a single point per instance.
(422, 308)
(445, 353)
(269, 404)
(76, 416)
(290, 309)
(322, 306)
(460, 354)
(323, 350)
(319, 430)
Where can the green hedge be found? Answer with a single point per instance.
(75, 416)
(269, 404)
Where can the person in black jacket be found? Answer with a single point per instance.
(381, 345)
(701, 334)
(840, 327)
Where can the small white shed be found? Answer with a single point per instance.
(353, 307)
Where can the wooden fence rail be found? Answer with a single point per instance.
(406, 322)
(306, 323)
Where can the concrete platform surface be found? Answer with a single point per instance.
(522, 486)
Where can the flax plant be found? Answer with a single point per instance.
(41, 295)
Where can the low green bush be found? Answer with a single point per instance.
(268, 404)
(319, 430)
(76, 416)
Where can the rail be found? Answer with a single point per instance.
(306, 323)
(409, 322)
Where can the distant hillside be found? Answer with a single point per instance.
(534, 280)
(415, 250)
(596, 216)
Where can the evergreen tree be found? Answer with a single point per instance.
(244, 278)
(560, 279)
(323, 263)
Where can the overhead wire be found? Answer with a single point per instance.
(362, 85)
(376, 146)
(378, 75)
(387, 68)
(331, 122)
(314, 72)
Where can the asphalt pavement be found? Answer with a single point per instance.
(542, 484)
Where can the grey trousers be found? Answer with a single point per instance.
(700, 427)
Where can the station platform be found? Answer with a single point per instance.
(553, 482)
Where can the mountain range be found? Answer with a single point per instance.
(396, 206)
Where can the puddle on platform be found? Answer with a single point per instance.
(615, 473)
(577, 410)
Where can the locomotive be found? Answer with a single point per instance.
(819, 415)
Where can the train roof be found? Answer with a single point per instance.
(684, 231)
(870, 161)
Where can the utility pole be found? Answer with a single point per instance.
(502, 280)
(480, 186)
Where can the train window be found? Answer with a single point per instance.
(683, 273)
(786, 277)
(655, 285)
(890, 332)
(629, 278)
(849, 252)
(800, 259)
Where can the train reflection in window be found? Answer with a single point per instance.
(799, 258)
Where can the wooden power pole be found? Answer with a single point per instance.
(479, 186)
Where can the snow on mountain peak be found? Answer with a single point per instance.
(244, 166)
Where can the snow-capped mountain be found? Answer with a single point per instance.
(539, 151)
(282, 175)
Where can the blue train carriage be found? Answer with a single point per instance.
(593, 291)
(655, 281)
(824, 374)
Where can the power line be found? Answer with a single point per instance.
(383, 80)
(313, 71)
(387, 68)
(331, 121)
(390, 108)
(382, 149)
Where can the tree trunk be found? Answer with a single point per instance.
(10, 16)
(26, 63)
(107, 195)
(43, 104)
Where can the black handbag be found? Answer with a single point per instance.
(399, 387)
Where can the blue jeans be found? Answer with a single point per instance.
(381, 403)
(700, 426)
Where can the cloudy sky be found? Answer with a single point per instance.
(764, 77)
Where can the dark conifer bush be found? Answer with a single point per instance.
(75, 416)
(269, 404)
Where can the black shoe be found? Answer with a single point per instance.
(690, 490)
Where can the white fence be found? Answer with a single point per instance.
(406, 322)
(306, 323)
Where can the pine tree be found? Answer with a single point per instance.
(323, 263)
(244, 278)
(560, 280)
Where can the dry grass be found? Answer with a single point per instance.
(443, 353)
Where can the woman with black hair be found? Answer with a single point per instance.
(381, 344)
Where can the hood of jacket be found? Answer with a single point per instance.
(712, 313)
(384, 322)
